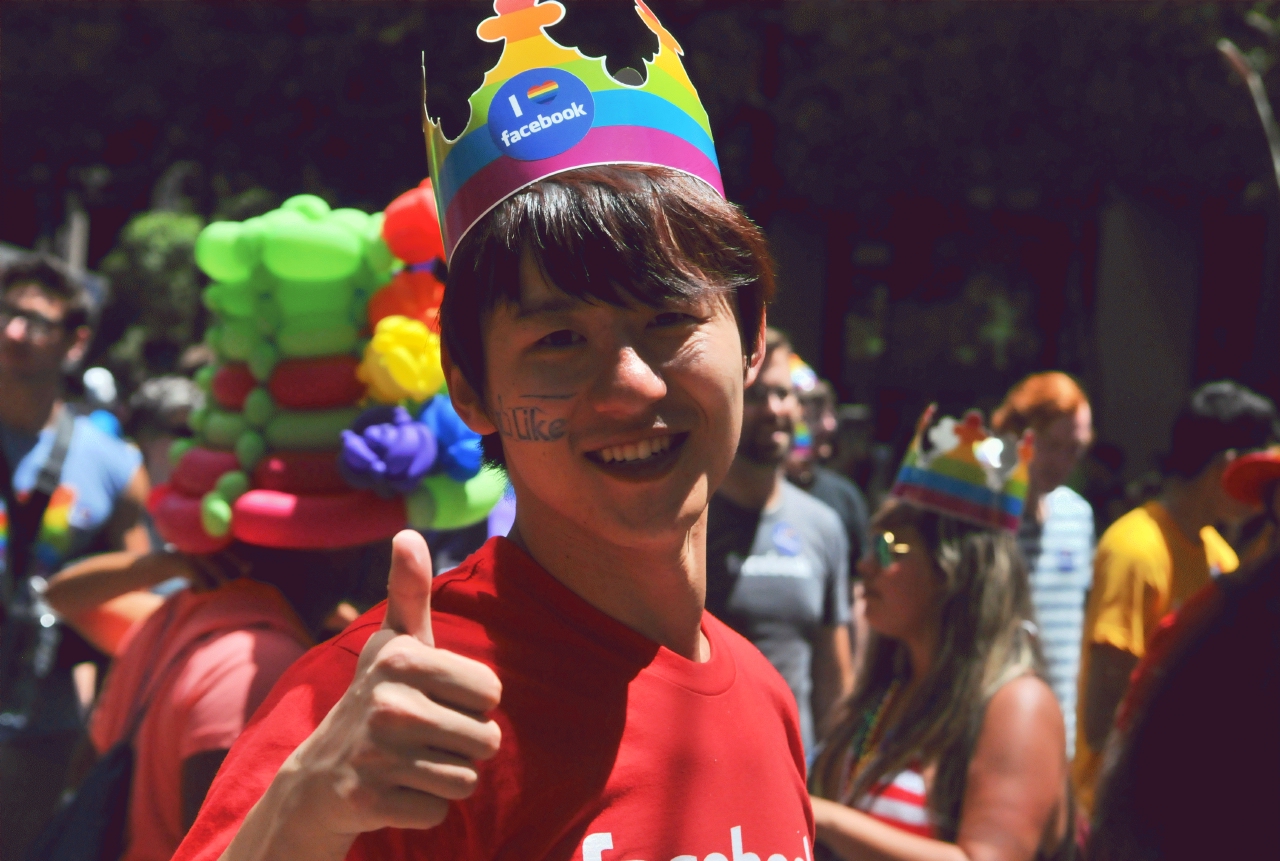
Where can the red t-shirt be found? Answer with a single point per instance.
(212, 657)
(613, 748)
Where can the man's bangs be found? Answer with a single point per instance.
(612, 236)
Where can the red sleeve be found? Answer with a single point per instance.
(293, 709)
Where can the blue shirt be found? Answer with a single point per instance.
(1059, 556)
(96, 472)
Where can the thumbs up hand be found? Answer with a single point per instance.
(404, 739)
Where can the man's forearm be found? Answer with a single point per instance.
(277, 828)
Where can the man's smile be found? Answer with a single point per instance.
(643, 458)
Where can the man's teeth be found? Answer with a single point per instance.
(636, 450)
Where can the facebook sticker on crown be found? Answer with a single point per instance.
(540, 113)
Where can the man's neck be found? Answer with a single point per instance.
(1188, 508)
(28, 405)
(753, 486)
(657, 590)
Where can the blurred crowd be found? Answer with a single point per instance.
(1148, 609)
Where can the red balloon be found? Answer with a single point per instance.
(199, 470)
(231, 385)
(416, 295)
(322, 383)
(270, 518)
(411, 227)
(177, 518)
(300, 472)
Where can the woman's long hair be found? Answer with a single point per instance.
(987, 638)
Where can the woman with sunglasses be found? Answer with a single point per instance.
(952, 745)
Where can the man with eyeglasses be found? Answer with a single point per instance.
(96, 490)
(777, 558)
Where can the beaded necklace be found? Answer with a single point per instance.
(865, 743)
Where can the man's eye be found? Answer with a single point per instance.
(562, 338)
(672, 318)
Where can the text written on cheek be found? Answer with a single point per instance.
(528, 424)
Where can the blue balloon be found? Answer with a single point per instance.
(460, 452)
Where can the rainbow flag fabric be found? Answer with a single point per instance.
(544, 109)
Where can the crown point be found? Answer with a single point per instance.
(651, 21)
(519, 19)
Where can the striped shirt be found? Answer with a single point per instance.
(1059, 555)
(901, 802)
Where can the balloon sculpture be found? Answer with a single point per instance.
(317, 435)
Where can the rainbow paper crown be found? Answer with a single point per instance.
(545, 108)
(959, 469)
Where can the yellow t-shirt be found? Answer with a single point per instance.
(1145, 568)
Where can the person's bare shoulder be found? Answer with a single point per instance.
(1025, 711)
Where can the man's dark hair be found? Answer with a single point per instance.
(53, 277)
(1218, 417)
(615, 235)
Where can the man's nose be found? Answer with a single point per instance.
(631, 384)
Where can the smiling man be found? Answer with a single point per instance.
(561, 694)
(778, 558)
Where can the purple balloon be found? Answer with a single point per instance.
(387, 451)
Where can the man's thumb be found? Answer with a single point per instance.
(409, 588)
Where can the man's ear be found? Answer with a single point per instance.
(755, 360)
(466, 403)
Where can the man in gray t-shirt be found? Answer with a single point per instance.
(777, 558)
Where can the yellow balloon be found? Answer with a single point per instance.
(402, 362)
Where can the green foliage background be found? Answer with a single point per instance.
(186, 111)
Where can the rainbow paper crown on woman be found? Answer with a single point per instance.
(959, 469)
(545, 108)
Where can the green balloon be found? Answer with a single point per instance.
(222, 429)
(232, 485)
(212, 297)
(309, 429)
(236, 300)
(218, 252)
(239, 337)
(259, 408)
(204, 377)
(358, 311)
(250, 449)
(262, 361)
(197, 418)
(352, 219)
(299, 298)
(212, 336)
(215, 514)
(178, 448)
(249, 243)
(311, 251)
(317, 335)
(458, 504)
(420, 509)
(379, 257)
(268, 316)
(309, 205)
(268, 221)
